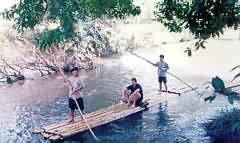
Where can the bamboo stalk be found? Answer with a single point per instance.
(89, 115)
(172, 92)
(80, 124)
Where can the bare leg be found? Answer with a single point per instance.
(71, 114)
(160, 87)
(165, 84)
(137, 96)
(125, 96)
(134, 99)
(166, 88)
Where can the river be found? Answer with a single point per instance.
(176, 119)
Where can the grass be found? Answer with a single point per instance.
(225, 128)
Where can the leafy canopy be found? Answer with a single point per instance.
(28, 14)
(203, 18)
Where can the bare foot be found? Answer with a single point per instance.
(129, 105)
(124, 101)
(70, 121)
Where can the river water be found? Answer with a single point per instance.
(176, 119)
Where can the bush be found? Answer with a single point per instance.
(225, 128)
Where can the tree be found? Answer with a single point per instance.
(29, 14)
(203, 18)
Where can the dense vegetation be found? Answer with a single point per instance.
(203, 18)
(66, 14)
(224, 128)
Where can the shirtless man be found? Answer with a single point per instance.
(69, 61)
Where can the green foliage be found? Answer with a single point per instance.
(203, 18)
(225, 127)
(66, 13)
(26, 14)
(49, 38)
(220, 89)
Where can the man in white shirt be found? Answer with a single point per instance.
(162, 72)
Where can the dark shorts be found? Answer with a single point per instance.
(67, 69)
(162, 79)
(72, 104)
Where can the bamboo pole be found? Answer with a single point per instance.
(171, 74)
(89, 128)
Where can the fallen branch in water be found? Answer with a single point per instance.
(43, 63)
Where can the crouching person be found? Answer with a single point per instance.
(133, 94)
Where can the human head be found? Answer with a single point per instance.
(75, 71)
(134, 81)
(161, 57)
(69, 52)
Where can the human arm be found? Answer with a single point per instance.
(166, 68)
(65, 78)
(155, 64)
(137, 90)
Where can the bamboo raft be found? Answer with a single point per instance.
(60, 131)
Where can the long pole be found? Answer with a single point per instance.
(171, 74)
(84, 119)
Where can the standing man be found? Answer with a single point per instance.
(70, 61)
(162, 73)
(133, 94)
(75, 86)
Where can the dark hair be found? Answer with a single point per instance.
(69, 51)
(134, 79)
(21, 77)
(161, 56)
(75, 69)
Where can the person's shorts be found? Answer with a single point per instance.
(72, 104)
(67, 69)
(162, 79)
